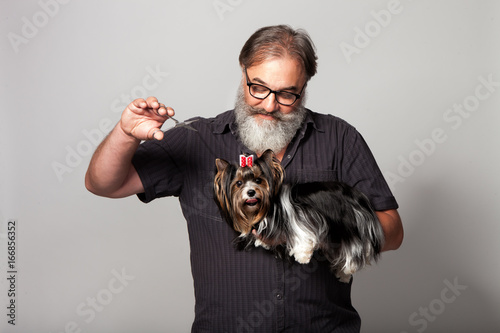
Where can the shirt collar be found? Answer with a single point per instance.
(223, 122)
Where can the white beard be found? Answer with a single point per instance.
(260, 135)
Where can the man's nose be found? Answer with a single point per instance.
(270, 104)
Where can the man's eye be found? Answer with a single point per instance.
(259, 90)
(285, 94)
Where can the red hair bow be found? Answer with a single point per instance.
(246, 161)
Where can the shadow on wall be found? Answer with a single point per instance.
(438, 280)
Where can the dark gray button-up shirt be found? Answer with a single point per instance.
(253, 291)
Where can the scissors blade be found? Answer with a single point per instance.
(184, 124)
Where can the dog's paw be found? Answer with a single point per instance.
(260, 243)
(350, 266)
(303, 250)
(343, 277)
(302, 256)
(343, 268)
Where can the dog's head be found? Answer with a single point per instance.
(245, 193)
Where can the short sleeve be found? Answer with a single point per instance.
(159, 166)
(358, 168)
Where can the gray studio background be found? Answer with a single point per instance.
(419, 79)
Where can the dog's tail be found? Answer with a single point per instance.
(367, 236)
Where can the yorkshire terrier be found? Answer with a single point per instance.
(298, 219)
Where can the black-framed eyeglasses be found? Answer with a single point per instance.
(259, 91)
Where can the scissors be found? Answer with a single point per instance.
(183, 124)
(178, 123)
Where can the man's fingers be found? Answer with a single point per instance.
(155, 133)
(152, 106)
(165, 111)
(162, 110)
(159, 108)
(139, 103)
(153, 102)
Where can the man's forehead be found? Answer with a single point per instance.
(287, 73)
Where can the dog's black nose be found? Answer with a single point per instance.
(251, 193)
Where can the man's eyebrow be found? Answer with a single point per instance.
(259, 81)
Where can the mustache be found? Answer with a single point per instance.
(277, 115)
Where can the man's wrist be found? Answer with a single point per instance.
(123, 135)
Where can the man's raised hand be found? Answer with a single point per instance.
(142, 119)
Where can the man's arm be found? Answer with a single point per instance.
(111, 173)
(393, 228)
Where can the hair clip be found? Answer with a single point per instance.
(246, 161)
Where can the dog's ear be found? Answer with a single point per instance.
(222, 183)
(268, 156)
(221, 164)
(278, 173)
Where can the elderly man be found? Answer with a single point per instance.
(249, 291)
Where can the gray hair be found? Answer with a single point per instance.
(280, 41)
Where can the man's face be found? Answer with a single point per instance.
(264, 123)
(278, 74)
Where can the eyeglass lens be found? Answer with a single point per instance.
(262, 92)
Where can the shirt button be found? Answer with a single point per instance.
(289, 156)
(279, 297)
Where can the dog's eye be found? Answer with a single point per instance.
(257, 180)
(239, 183)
